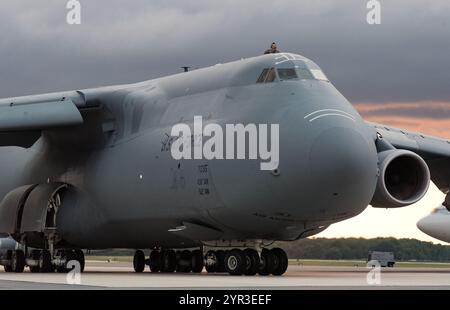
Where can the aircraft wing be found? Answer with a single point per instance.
(435, 151)
(22, 119)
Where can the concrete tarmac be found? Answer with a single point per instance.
(103, 275)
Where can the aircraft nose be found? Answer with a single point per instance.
(343, 168)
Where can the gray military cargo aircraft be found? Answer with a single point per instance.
(93, 169)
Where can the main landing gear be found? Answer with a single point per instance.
(235, 262)
(167, 261)
(42, 261)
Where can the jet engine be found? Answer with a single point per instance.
(404, 178)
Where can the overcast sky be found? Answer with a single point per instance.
(406, 58)
(403, 62)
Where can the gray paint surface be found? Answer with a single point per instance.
(128, 191)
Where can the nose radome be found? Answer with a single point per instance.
(344, 164)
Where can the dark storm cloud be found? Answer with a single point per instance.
(406, 58)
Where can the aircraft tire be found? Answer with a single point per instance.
(80, 258)
(18, 261)
(139, 261)
(168, 261)
(35, 254)
(184, 261)
(235, 262)
(281, 263)
(68, 255)
(45, 262)
(220, 254)
(154, 261)
(252, 262)
(197, 262)
(267, 263)
(8, 268)
(211, 256)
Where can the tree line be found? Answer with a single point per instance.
(345, 248)
(358, 248)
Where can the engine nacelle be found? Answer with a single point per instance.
(403, 180)
(34, 214)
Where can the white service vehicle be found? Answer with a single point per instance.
(385, 259)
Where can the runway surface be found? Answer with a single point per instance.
(103, 275)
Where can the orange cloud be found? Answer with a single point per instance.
(439, 127)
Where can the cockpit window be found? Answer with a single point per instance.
(317, 72)
(301, 71)
(267, 76)
(293, 70)
(271, 76)
(287, 74)
(304, 74)
(262, 77)
(319, 75)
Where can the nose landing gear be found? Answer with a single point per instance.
(42, 261)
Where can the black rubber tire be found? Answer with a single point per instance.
(281, 263)
(155, 261)
(139, 261)
(235, 262)
(79, 254)
(62, 254)
(184, 261)
(220, 254)
(35, 254)
(168, 261)
(251, 262)
(18, 261)
(8, 257)
(45, 262)
(197, 262)
(267, 263)
(211, 255)
(68, 255)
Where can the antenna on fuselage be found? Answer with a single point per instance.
(186, 69)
